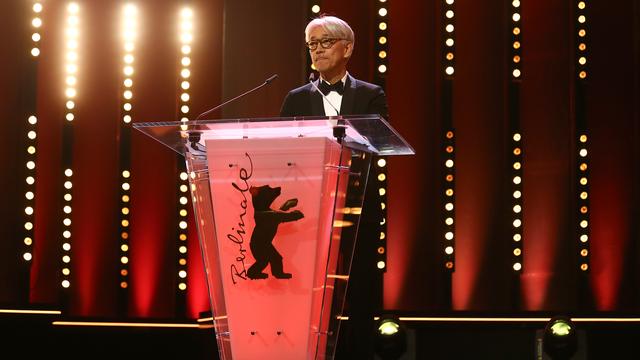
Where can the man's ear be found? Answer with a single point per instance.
(349, 50)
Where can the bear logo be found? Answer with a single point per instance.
(267, 221)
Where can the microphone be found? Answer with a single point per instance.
(265, 83)
(339, 131)
(312, 78)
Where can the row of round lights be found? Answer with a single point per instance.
(583, 202)
(449, 200)
(36, 23)
(448, 53)
(381, 176)
(32, 120)
(583, 174)
(186, 38)
(382, 46)
(517, 187)
(449, 38)
(30, 193)
(516, 142)
(581, 20)
(129, 35)
(71, 71)
(516, 41)
(382, 64)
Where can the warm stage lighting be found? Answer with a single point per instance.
(388, 327)
(72, 36)
(31, 129)
(449, 28)
(186, 37)
(391, 338)
(560, 339)
(129, 34)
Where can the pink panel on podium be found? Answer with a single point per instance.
(273, 202)
(277, 203)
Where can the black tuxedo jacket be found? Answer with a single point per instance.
(359, 98)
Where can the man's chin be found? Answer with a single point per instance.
(322, 65)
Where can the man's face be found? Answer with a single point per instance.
(332, 60)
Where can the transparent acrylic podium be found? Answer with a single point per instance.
(277, 203)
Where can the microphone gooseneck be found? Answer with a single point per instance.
(273, 77)
(265, 83)
(312, 78)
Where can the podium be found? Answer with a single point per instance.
(277, 203)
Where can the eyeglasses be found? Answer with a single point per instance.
(325, 43)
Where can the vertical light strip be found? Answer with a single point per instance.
(448, 68)
(583, 203)
(449, 38)
(129, 36)
(581, 132)
(449, 200)
(32, 120)
(516, 155)
(186, 39)
(516, 40)
(380, 169)
(516, 196)
(381, 42)
(71, 70)
(581, 50)
(36, 23)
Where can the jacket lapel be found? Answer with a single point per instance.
(348, 97)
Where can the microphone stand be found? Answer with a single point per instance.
(312, 78)
(340, 130)
(265, 83)
(194, 138)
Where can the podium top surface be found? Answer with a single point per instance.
(371, 133)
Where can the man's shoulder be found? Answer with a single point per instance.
(297, 102)
(304, 89)
(366, 86)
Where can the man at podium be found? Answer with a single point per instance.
(330, 41)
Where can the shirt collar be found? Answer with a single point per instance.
(344, 78)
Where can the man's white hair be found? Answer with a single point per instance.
(335, 27)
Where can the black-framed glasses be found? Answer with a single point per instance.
(325, 43)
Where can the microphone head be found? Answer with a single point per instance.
(312, 77)
(273, 77)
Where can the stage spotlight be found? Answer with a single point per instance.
(391, 338)
(560, 339)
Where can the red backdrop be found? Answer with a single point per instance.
(415, 279)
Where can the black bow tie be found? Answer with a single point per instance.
(326, 88)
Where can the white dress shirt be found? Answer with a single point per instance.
(334, 98)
